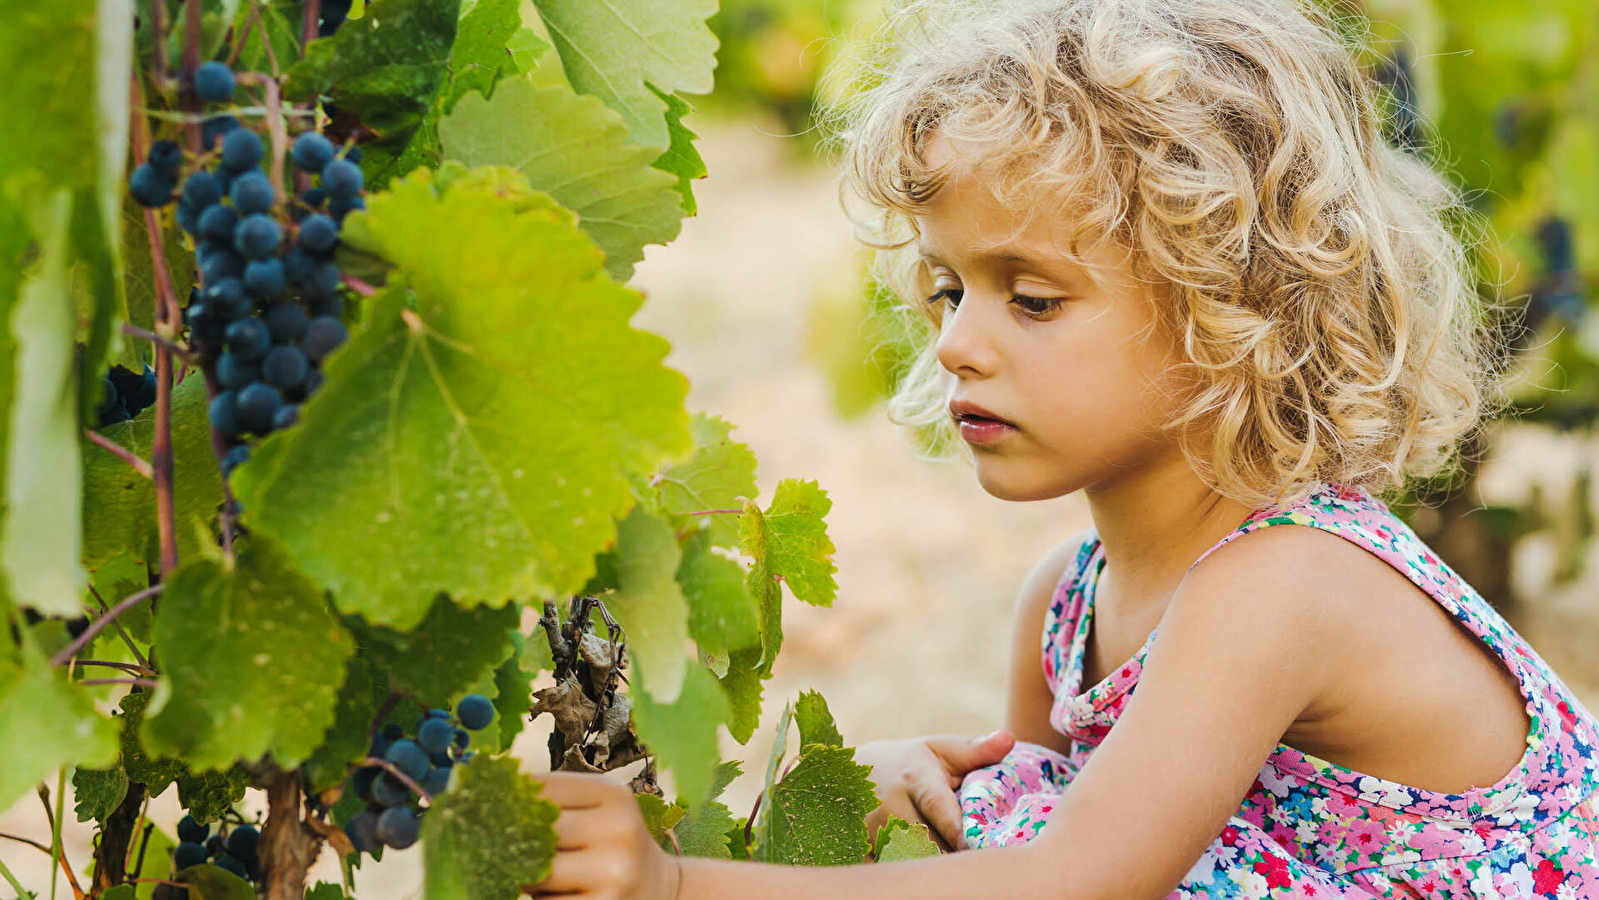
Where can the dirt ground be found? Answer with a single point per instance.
(928, 564)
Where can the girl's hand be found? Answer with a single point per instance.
(603, 848)
(916, 779)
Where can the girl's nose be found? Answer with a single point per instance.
(966, 339)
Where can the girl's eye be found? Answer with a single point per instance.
(1035, 305)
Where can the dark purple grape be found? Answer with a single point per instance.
(475, 711)
(288, 414)
(408, 757)
(201, 189)
(214, 82)
(341, 179)
(312, 152)
(363, 831)
(257, 405)
(264, 277)
(318, 234)
(257, 235)
(242, 149)
(224, 413)
(166, 157)
(234, 373)
(389, 791)
(217, 223)
(242, 841)
(322, 336)
(251, 192)
(187, 854)
(398, 827)
(151, 186)
(286, 321)
(248, 338)
(285, 367)
(234, 457)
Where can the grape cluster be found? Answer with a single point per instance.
(272, 305)
(235, 852)
(390, 817)
(124, 394)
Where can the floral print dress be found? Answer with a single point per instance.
(1312, 828)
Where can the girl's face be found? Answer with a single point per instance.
(1078, 364)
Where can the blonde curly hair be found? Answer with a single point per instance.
(1321, 281)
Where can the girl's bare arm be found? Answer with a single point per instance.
(1244, 647)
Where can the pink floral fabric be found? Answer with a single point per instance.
(1309, 827)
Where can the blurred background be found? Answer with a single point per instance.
(764, 299)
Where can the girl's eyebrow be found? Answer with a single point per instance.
(998, 257)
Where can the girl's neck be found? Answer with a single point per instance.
(1153, 526)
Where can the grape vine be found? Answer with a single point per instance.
(354, 388)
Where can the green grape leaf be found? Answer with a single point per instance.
(815, 722)
(721, 613)
(659, 816)
(515, 689)
(703, 830)
(77, 136)
(735, 839)
(681, 158)
(40, 545)
(326, 890)
(479, 58)
(774, 759)
(253, 655)
(682, 735)
(899, 839)
(361, 695)
(124, 891)
(788, 543)
(621, 200)
(46, 722)
(207, 795)
(96, 793)
(612, 49)
(140, 286)
(816, 816)
(743, 687)
(447, 652)
(156, 773)
(384, 67)
(718, 476)
(478, 443)
(649, 604)
(489, 797)
(119, 503)
(282, 28)
(211, 882)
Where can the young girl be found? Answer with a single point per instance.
(1172, 263)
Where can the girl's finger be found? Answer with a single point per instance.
(585, 827)
(580, 872)
(574, 789)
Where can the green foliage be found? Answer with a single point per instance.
(789, 544)
(490, 797)
(815, 722)
(622, 201)
(412, 421)
(618, 50)
(898, 839)
(97, 792)
(45, 723)
(815, 816)
(682, 733)
(446, 653)
(250, 633)
(385, 69)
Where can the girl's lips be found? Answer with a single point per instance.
(984, 431)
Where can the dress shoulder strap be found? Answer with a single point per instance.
(1065, 605)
